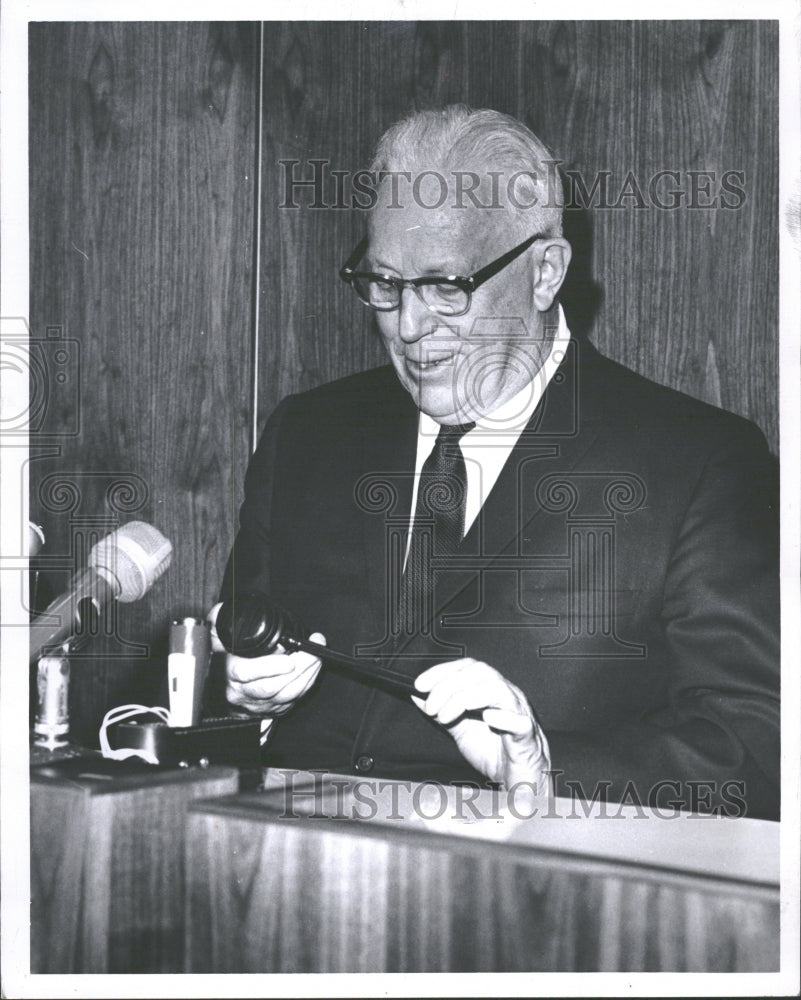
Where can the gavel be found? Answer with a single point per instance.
(249, 624)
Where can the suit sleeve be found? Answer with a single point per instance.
(249, 563)
(715, 744)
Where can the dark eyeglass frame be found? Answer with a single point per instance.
(466, 284)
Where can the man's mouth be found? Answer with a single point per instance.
(433, 359)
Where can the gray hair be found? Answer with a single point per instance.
(458, 138)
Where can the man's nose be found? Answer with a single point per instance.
(415, 319)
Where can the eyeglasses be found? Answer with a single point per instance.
(448, 295)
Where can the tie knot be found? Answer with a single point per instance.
(450, 434)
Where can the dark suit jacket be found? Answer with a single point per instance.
(623, 573)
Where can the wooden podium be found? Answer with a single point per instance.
(340, 874)
(107, 863)
(150, 870)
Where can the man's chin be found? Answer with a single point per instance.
(436, 393)
(442, 405)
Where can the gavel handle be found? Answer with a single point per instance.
(370, 668)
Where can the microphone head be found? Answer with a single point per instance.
(36, 539)
(249, 624)
(131, 559)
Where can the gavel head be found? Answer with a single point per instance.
(250, 625)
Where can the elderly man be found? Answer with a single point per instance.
(576, 566)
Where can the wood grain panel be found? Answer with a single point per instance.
(689, 296)
(107, 866)
(268, 893)
(331, 89)
(142, 156)
(316, 80)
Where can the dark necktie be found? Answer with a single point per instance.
(437, 530)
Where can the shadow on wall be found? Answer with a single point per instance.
(581, 296)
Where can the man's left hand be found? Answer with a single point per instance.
(506, 744)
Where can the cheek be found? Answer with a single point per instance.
(388, 329)
(509, 294)
(501, 324)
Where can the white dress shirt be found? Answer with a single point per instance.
(488, 445)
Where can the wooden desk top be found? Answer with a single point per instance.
(740, 850)
(97, 775)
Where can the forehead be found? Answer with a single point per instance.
(402, 231)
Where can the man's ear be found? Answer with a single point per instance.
(551, 270)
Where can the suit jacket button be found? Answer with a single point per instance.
(364, 763)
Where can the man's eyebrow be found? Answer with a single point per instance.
(378, 266)
(441, 271)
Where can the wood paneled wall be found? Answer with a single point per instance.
(143, 142)
(688, 297)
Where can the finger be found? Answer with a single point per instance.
(296, 685)
(433, 675)
(468, 690)
(421, 704)
(288, 677)
(526, 755)
(264, 694)
(302, 656)
(460, 703)
(235, 695)
(241, 670)
(505, 721)
(301, 660)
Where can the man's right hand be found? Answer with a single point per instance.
(267, 685)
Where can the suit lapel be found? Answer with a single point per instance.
(561, 431)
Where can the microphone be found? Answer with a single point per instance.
(122, 566)
(36, 540)
(39, 593)
(187, 669)
(249, 625)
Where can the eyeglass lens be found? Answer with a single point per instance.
(443, 298)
